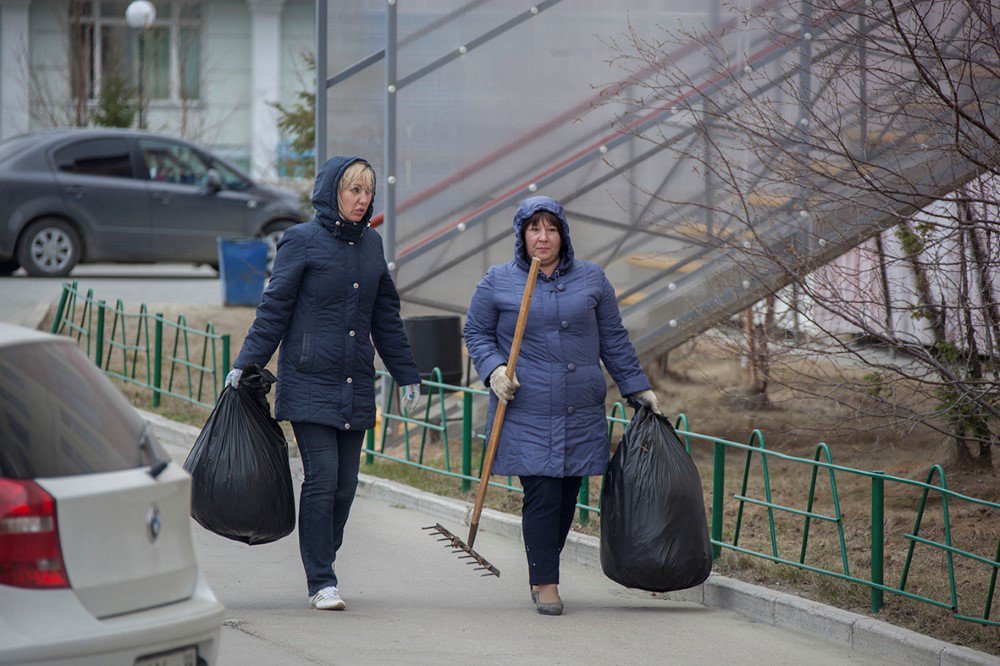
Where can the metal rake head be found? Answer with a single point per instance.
(459, 546)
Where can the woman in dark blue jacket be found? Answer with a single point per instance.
(329, 298)
(555, 430)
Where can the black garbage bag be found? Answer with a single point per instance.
(654, 535)
(241, 484)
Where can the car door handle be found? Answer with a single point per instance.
(162, 197)
(75, 191)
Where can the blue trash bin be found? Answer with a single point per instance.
(242, 270)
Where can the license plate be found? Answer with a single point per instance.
(184, 657)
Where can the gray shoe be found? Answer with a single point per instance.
(549, 609)
(534, 595)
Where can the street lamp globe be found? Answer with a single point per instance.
(140, 14)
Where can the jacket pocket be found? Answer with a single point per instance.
(319, 355)
(305, 353)
(599, 387)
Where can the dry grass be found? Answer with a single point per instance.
(699, 385)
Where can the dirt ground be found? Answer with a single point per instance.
(700, 383)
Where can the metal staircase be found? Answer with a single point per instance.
(683, 251)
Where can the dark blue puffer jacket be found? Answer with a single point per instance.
(330, 296)
(556, 424)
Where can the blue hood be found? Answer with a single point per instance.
(525, 210)
(324, 199)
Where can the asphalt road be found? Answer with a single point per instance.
(23, 299)
(411, 601)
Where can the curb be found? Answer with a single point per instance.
(756, 603)
(170, 431)
(37, 316)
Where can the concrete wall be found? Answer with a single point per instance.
(224, 121)
(49, 65)
(298, 34)
(1, 64)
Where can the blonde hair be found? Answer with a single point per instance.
(357, 171)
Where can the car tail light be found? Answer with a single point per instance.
(30, 554)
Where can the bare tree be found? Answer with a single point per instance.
(198, 73)
(881, 117)
(298, 120)
(59, 89)
(80, 56)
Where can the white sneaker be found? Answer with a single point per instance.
(327, 599)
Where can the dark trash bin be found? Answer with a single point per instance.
(437, 343)
(242, 270)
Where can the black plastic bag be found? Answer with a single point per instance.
(654, 535)
(241, 483)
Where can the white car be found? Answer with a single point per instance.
(97, 564)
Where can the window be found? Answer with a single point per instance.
(96, 157)
(175, 163)
(231, 178)
(105, 46)
(59, 416)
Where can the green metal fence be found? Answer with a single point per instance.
(173, 359)
(146, 349)
(452, 407)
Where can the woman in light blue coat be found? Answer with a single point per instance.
(555, 429)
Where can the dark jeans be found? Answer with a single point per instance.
(331, 459)
(546, 516)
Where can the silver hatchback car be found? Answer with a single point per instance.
(97, 564)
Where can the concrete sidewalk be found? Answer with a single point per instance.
(409, 599)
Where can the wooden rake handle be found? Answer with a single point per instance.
(491, 447)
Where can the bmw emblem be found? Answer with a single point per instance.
(153, 524)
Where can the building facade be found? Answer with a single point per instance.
(212, 68)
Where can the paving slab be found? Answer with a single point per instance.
(410, 599)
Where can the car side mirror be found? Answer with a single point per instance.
(213, 181)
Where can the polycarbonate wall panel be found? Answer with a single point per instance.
(545, 95)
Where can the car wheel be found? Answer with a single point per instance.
(271, 234)
(49, 248)
(8, 267)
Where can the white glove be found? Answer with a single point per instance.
(409, 397)
(503, 387)
(233, 378)
(648, 399)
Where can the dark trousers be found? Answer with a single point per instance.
(331, 459)
(546, 516)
